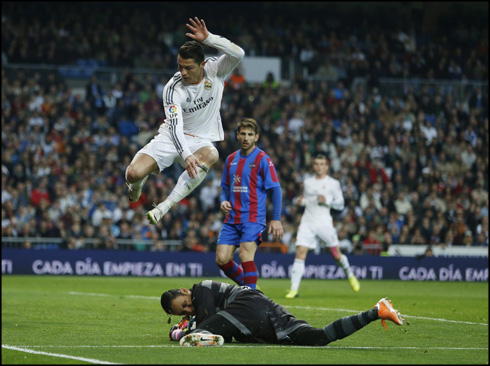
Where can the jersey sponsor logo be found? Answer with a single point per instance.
(199, 103)
(252, 165)
(172, 109)
(236, 179)
(208, 85)
(240, 189)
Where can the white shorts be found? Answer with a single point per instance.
(310, 236)
(162, 149)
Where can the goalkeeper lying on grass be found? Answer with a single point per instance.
(216, 312)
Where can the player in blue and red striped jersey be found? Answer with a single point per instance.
(248, 175)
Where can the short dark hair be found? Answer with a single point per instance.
(166, 301)
(193, 50)
(321, 156)
(248, 123)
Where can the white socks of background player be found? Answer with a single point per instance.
(185, 185)
(297, 273)
(298, 270)
(344, 264)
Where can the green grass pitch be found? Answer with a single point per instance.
(94, 320)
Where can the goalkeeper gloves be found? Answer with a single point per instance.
(183, 322)
(175, 333)
(179, 330)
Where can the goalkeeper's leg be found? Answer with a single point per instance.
(341, 328)
(217, 324)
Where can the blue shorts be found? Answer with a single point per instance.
(234, 234)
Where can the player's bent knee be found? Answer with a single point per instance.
(222, 259)
(214, 156)
(209, 155)
(133, 174)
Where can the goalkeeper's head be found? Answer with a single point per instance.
(177, 302)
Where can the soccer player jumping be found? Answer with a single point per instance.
(191, 100)
(321, 193)
(247, 176)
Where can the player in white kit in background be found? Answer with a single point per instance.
(321, 193)
(191, 100)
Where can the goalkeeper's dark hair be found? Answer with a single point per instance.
(193, 50)
(166, 301)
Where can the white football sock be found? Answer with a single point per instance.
(185, 185)
(344, 264)
(297, 273)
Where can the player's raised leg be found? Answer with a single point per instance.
(387, 312)
(343, 262)
(207, 156)
(137, 173)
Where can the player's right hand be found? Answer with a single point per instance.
(183, 322)
(225, 207)
(299, 200)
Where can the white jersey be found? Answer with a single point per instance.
(194, 109)
(315, 212)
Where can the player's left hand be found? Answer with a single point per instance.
(191, 164)
(326, 201)
(198, 28)
(276, 229)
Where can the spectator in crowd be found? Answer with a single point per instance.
(372, 245)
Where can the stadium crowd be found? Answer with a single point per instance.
(145, 36)
(413, 167)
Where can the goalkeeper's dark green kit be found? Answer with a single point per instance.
(250, 316)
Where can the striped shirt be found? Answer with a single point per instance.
(245, 182)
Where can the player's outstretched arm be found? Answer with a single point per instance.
(233, 54)
(198, 29)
